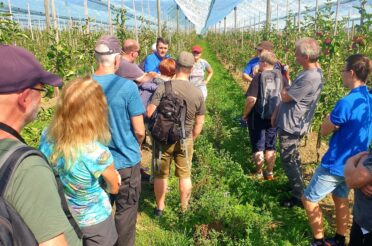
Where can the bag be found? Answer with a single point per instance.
(167, 125)
(270, 85)
(13, 230)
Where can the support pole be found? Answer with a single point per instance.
(336, 18)
(47, 15)
(10, 10)
(178, 18)
(109, 16)
(316, 15)
(362, 11)
(277, 18)
(54, 15)
(159, 23)
(268, 14)
(135, 20)
(235, 18)
(299, 15)
(29, 20)
(224, 25)
(86, 16)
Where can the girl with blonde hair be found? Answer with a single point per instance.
(75, 144)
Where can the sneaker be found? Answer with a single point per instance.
(269, 176)
(291, 202)
(258, 175)
(324, 243)
(158, 212)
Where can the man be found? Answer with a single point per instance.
(350, 123)
(193, 125)
(127, 68)
(251, 68)
(262, 99)
(295, 114)
(32, 190)
(153, 60)
(358, 175)
(128, 132)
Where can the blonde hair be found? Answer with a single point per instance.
(268, 57)
(81, 118)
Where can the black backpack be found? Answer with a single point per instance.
(167, 125)
(270, 85)
(13, 230)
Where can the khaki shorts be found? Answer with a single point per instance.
(177, 152)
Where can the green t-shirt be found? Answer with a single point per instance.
(33, 193)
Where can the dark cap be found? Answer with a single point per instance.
(108, 45)
(197, 49)
(186, 59)
(267, 45)
(21, 70)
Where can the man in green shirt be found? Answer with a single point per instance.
(32, 190)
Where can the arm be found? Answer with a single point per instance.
(356, 174)
(274, 116)
(210, 74)
(59, 240)
(327, 126)
(110, 175)
(199, 121)
(247, 78)
(249, 104)
(138, 127)
(150, 110)
(146, 77)
(284, 96)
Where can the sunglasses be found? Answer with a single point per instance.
(43, 91)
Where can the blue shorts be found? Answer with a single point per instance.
(322, 183)
(261, 133)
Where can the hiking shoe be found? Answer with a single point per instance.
(158, 212)
(269, 176)
(291, 202)
(333, 242)
(258, 175)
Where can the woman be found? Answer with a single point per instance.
(75, 143)
(198, 71)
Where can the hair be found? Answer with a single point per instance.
(161, 40)
(183, 69)
(308, 47)
(130, 45)
(106, 60)
(81, 118)
(268, 57)
(361, 65)
(167, 67)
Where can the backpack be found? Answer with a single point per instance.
(13, 230)
(270, 85)
(167, 125)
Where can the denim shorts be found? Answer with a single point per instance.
(322, 183)
(262, 135)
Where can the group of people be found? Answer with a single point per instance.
(92, 146)
(275, 106)
(93, 143)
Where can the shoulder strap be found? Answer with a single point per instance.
(168, 87)
(9, 163)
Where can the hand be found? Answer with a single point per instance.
(273, 120)
(119, 177)
(153, 74)
(358, 158)
(367, 190)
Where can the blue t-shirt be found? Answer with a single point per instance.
(353, 115)
(251, 65)
(152, 62)
(124, 103)
(81, 181)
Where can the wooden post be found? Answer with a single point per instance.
(29, 20)
(347, 26)
(109, 16)
(224, 25)
(277, 18)
(159, 23)
(316, 14)
(10, 10)
(185, 24)
(86, 16)
(47, 15)
(135, 20)
(268, 14)
(352, 28)
(178, 18)
(54, 15)
(235, 18)
(336, 21)
(299, 15)
(143, 12)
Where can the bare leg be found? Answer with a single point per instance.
(315, 216)
(270, 159)
(160, 188)
(258, 158)
(185, 187)
(342, 214)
